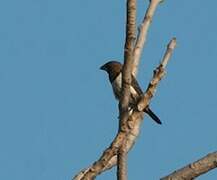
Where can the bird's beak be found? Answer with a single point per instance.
(102, 67)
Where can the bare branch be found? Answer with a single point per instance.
(98, 166)
(171, 46)
(194, 169)
(142, 35)
(126, 82)
(158, 74)
(107, 160)
(128, 59)
(122, 161)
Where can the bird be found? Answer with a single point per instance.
(114, 71)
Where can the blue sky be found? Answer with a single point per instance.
(57, 111)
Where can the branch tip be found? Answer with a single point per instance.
(170, 47)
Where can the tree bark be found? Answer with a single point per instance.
(194, 169)
(126, 82)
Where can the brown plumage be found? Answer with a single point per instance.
(113, 68)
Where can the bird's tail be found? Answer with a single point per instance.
(152, 115)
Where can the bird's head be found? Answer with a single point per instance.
(113, 68)
(111, 65)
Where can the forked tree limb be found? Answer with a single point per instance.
(130, 130)
(194, 169)
(109, 156)
(126, 81)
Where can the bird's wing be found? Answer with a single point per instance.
(136, 86)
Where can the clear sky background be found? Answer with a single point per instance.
(57, 110)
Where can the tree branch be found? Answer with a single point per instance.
(142, 34)
(194, 169)
(158, 74)
(109, 156)
(126, 82)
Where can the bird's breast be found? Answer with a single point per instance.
(116, 86)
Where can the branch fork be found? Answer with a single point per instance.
(129, 123)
